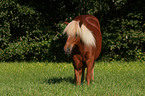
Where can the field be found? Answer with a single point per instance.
(57, 79)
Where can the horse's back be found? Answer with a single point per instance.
(92, 23)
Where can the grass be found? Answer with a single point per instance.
(52, 79)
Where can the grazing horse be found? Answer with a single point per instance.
(84, 42)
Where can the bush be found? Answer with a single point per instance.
(56, 50)
(24, 50)
(15, 51)
(124, 38)
(32, 30)
(23, 33)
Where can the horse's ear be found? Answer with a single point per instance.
(66, 23)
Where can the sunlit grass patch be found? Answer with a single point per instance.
(47, 79)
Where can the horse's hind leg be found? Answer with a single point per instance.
(92, 73)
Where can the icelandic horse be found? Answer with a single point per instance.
(84, 42)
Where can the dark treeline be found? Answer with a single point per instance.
(32, 29)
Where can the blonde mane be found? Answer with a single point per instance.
(85, 34)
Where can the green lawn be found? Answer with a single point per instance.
(52, 79)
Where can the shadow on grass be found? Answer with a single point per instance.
(55, 80)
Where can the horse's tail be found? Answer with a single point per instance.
(76, 28)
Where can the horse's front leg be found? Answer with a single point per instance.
(78, 74)
(90, 70)
(77, 62)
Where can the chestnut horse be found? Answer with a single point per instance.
(84, 42)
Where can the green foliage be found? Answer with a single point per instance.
(26, 51)
(32, 30)
(24, 36)
(124, 38)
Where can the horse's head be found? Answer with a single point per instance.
(71, 42)
(72, 30)
(77, 31)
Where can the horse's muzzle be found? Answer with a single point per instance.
(68, 50)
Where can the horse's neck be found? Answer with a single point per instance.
(80, 47)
